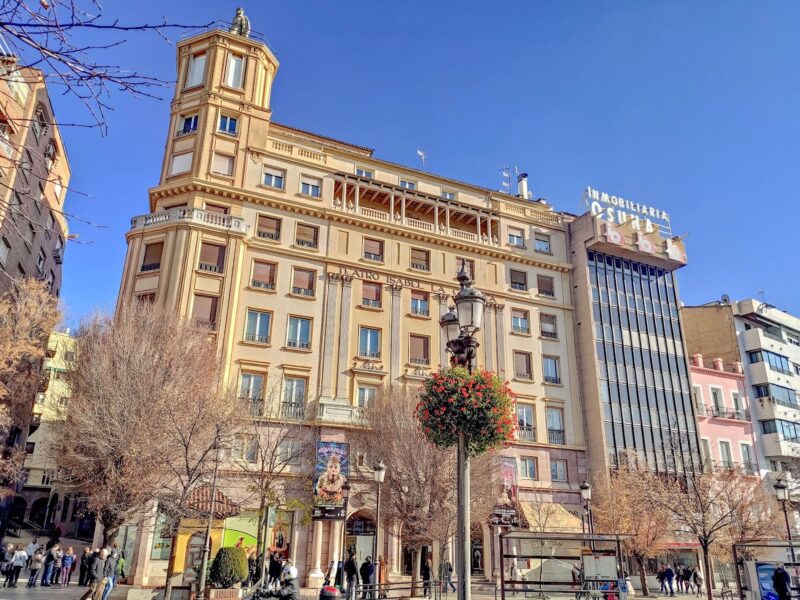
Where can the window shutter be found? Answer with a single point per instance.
(519, 314)
(522, 363)
(372, 291)
(205, 308)
(307, 233)
(548, 323)
(212, 254)
(417, 295)
(418, 347)
(270, 225)
(419, 255)
(264, 272)
(373, 246)
(181, 163)
(223, 210)
(303, 279)
(544, 284)
(222, 165)
(519, 277)
(152, 253)
(197, 67)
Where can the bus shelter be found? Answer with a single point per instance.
(756, 561)
(539, 565)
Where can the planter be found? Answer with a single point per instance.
(224, 594)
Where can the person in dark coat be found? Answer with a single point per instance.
(669, 575)
(274, 570)
(782, 583)
(110, 572)
(351, 575)
(97, 584)
(427, 573)
(367, 573)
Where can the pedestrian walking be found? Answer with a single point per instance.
(351, 575)
(97, 582)
(697, 577)
(47, 572)
(6, 560)
(30, 549)
(661, 578)
(83, 567)
(58, 554)
(121, 565)
(687, 578)
(367, 571)
(66, 566)
(36, 562)
(427, 570)
(274, 571)
(447, 573)
(782, 583)
(669, 575)
(382, 578)
(18, 561)
(110, 572)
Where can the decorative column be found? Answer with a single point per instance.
(391, 555)
(443, 298)
(326, 392)
(488, 342)
(344, 338)
(358, 195)
(487, 551)
(501, 337)
(334, 546)
(395, 344)
(316, 553)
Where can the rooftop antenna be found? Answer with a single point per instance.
(761, 293)
(505, 173)
(421, 154)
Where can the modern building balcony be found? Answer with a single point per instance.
(775, 446)
(774, 408)
(749, 469)
(556, 437)
(722, 412)
(196, 216)
(761, 373)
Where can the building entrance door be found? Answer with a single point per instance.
(360, 537)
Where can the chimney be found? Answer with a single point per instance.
(522, 186)
(719, 365)
(737, 367)
(697, 360)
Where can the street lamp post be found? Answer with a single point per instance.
(340, 577)
(460, 326)
(378, 472)
(201, 586)
(586, 496)
(782, 492)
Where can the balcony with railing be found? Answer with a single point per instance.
(264, 285)
(419, 360)
(300, 344)
(293, 411)
(555, 379)
(301, 291)
(527, 433)
(210, 267)
(370, 302)
(555, 437)
(721, 412)
(252, 406)
(196, 216)
(268, 235)
(257, 339)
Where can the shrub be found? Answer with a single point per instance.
(229, 567)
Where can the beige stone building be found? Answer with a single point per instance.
(323, 270)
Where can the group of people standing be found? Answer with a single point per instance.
(684, 579)
(371, 576)
(51, 565)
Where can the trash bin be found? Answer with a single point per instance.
(328, 592)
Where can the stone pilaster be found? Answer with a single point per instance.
(499, 311)
(488, 335)
(328, 341)
(395, 343)
(315, 575)
(344, 338)
(444, 299)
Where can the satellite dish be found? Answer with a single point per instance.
(726, 299)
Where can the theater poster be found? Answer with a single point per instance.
(331, 474)
(505, 510)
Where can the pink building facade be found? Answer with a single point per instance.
(722, 408)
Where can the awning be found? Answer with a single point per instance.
(550, 516)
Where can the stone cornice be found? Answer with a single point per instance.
(710, 371)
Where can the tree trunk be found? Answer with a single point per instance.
(262, 532)
(109, 534)
(642, 575)
(707, 569)
(711, 574)
(173, 551)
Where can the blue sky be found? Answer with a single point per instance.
(689, 106)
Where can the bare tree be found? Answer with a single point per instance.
(624, 506)
(70, 40)
(28, 314)
(711, 504)
(144, 403)
(419, 488)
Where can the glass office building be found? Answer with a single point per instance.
(642, 375)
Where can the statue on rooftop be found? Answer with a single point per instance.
(240, 24)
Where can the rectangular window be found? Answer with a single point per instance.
(519, 321)
(306, 236)
(468, 264)
(212, 258)
(274, 178)
(419, 349)
(371, 294)
(310, 186)
(420, 259)
(187, 125)
(294, 391)
(555, 426)
(409, 185)
(40, 262)
(299, 333)
(519, 280)
(373, 250)
(545, 286)
(776, 362)
(5, 140)
(263, 275)
(258, 327)
(558, 470)
(216, 208)
(522, 365)
(245, 448)
(541, 243)
(363, 173)
(525, 425)
(181, 163)
(369, 342)
(251, 387)
(5, 248)
(152, 256)
(552, 369)
(725, 454)
(366, 394)
(547, 326)
(234, 74)
(748, 463)
(419, 303)
(697, 397)
(705, 447)
(268, 228)
(516, 237)
(716, 399)
(227, 125)
(204, 310)
(303, 282)
(527, 465)
(196, 70)
(29, 234)
(448, 195)
(222, 164)
(50, 223)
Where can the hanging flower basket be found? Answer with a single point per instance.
(481, 405)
